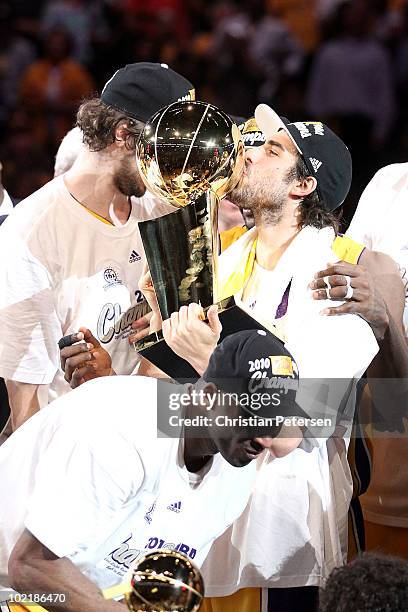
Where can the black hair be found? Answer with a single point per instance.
(312, 210)
(371, 582)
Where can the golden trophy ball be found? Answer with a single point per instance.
(165, 581)
(188, 148)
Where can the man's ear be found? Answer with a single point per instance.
(209, 390)
(120, 135)
(304, 187)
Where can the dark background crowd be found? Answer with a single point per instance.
(343, 62)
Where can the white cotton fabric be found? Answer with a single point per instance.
(6, 206)
(111, 490)
(294, 529)
(380, 223)
(381, 218)
(61, 268)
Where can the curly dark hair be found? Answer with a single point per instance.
(312, 210)
(98, 122)
(371, 583)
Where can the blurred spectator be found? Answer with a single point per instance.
(275, 51)
(326, 8)
(301, 17)
(52, 87)
(236, 52)
(371, 583)
(26, 164)
(351, 80)
(16, 54)
(160, 18)
(401, 50)
(82, 19)
(231, 65)
(351, 89)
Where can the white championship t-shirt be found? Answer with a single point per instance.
(61, 268)
(106, 492)
(381, 218)
(294, 528)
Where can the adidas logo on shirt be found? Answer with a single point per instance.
(134, 256)
(315, 163)
(176, 507)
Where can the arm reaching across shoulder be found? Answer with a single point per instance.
(377, 295)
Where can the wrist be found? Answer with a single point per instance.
(380, 327)
(200, 362)
(156, 322)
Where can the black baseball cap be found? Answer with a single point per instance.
(256, 362)
(140, 90)
(324, 153)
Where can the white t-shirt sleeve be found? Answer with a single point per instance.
(332, 353)
(80, 486)
(335, 347)
(28, 319)
(363, 223)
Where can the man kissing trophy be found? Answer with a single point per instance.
(190, 154)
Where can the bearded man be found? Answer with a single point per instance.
(294, 529)
(71, 253)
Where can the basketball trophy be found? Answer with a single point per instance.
(165, 581)
(190, 154)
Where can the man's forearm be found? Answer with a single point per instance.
(391, 360)
(387, 378)
(25, 400)
(38, 571)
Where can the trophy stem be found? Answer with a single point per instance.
(212, 210)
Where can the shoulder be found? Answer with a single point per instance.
(377, 263)
(389, 176)
(240, 244)
(230, 236)
(109, 405)
(30, 212)
(347, 249)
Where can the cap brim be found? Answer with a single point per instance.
(270, 123)
(292, 409)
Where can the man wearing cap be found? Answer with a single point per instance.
(84, 505)
(378, 297)
(71, 255)
(294, 530)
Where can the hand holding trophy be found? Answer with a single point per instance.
(191, 154)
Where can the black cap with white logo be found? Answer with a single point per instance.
(255, 361)
(324, 153)
(140, 90)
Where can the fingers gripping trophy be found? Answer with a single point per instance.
(191, 155)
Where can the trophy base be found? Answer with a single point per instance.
(154, 348)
